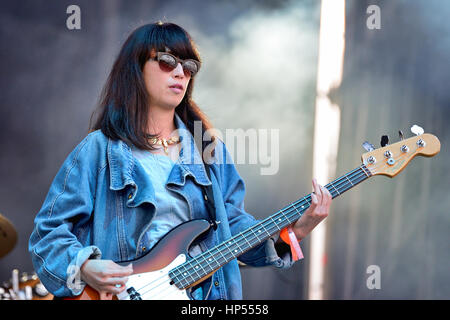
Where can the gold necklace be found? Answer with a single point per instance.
(165, 142)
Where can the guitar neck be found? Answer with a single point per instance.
(211, 260)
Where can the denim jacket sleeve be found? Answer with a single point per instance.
(233, 189)
(56, 253)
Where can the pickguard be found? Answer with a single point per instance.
(154, 285)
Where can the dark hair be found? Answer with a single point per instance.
(123, 105)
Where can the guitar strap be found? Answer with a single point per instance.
(208, 195)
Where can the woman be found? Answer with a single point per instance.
(140, 173)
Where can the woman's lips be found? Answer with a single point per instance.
(177, 88)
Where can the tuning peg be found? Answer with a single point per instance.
(417, 130)
(400, 134)
(368, 146)
(384, 141)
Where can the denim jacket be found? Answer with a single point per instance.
(101, 203)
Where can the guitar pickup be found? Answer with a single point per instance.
(134, 295)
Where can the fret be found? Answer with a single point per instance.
(344, 186)
(209, 261)
(306, 199)
(245, 238)
(271, 227)
(184, 283)
(335, 188)
(199, 264)
(280, 222)
(349, 181)
(175, 276)
(186, 274)
(194, 268)
(213, 258)
(255, 234)
(237, 244)
(259, 231)
(285, 217)
(300, 214)
(274, 223)
(363, 167)
(220, 251)
(228, 247)
(268, 234)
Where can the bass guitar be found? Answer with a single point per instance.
(167, 271)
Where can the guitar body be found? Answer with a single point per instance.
(150, 279)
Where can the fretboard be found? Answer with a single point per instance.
(211, 260)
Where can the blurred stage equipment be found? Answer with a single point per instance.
(8, 236)
(24, 287)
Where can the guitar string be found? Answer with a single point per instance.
(361, 172)
(357, 169)
(336, 183)
(159, 292)
(155, 281)
(180, 278)
(269, 226)
(197, 260)
(284, 212)
(270, 229)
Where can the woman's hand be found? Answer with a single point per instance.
(317, 211)
(105, 276)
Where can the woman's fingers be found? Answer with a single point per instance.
(317, 192)
(317, 211)
(325, 197)
(116, 270)
(106, 276)
(320, 198)
(116, 277)
(314, 202)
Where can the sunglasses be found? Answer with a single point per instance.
(168, 62)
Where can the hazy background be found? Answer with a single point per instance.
(393, 78)
(259, 71)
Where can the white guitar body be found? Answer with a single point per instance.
(154, 285)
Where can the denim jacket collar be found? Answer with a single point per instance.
(190, 161)
(124, 168)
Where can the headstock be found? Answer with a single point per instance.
(393, 158)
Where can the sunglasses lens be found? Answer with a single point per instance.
(169, 62)
(190, 66)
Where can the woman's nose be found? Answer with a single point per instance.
(178, 71)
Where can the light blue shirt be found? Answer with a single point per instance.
(171, 208)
